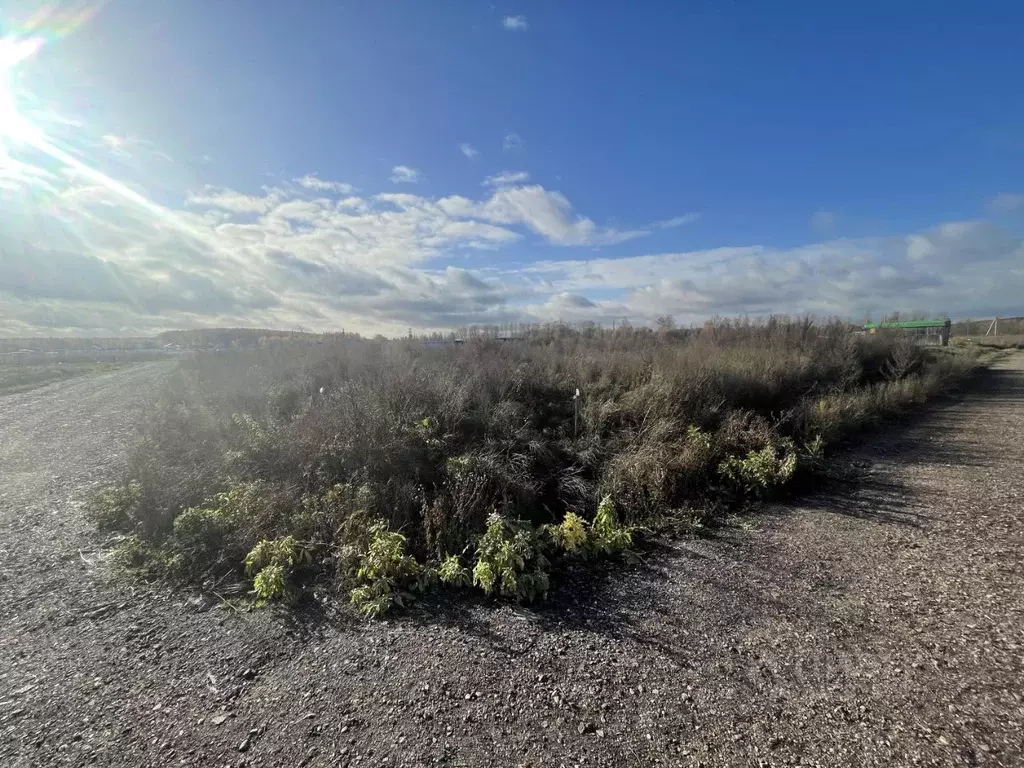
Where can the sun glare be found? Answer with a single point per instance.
(12, 125)
(16, 130)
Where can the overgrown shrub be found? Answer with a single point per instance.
(217, 535)
(571, 535)
(375, 459)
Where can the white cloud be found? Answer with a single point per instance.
(312, 255)
(965, 268)
(114, 143)
(311, 182)
(515, 23)
(273, 258)
(229, 200)
(512, 141)
(570, 306)
(505, 178)
(550, 215)
(1006, 203)
(468, 150)
(824, 221)
(677, 221)
(126, 147)
(403, 174)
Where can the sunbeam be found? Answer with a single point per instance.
(13, 127)
(18, 131)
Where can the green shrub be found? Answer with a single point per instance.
(571, 535)
(214, 538)
(272, 564)
(813, 455)
(270, 584)
(510, 560)
(760, 471)
(453, 573)
(604, 537)
(607, 536)
(130, 553)
(115, 508)
(338, 513)
(387, 575)
(200, 534)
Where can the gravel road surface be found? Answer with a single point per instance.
(878, 623)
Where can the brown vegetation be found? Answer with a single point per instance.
(470, 450)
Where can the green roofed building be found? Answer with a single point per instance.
(925, 331)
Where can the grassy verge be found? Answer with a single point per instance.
(1015, 341)
(19, 377)
(385, 468)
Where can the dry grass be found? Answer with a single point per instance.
(21, 377)
(435, 440)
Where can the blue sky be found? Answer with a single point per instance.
(376, 166)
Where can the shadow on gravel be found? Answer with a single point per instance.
(309, 620)
(856, 483)
(999, 384)
(652, 603)
(655, 604)
(869, 497)
(588, 599)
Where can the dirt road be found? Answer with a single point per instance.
(880, 623)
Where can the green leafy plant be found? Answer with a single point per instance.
(129, 553)
(272, 564)
(571, 535)
(199, 534)
(759, 471)
(219, 533)
(510, 560)
(608, 537)
(698, 437)
(454, 573)
(134, 556)
(114, 508)
(812, 455)
(814, 449)
(328, 515)
(387, 575)
(604, 537)
(269, 584)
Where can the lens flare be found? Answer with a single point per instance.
(24, 38)
(12, 125)
(27, 38)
